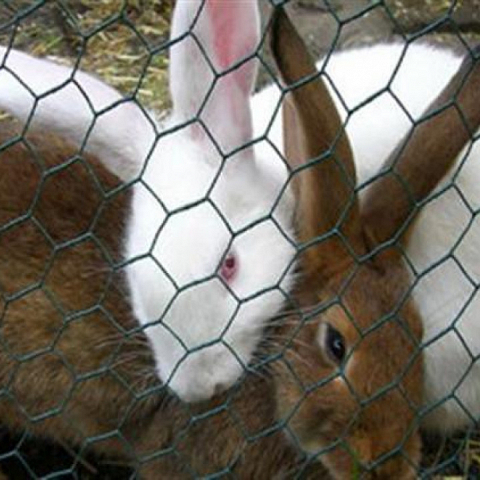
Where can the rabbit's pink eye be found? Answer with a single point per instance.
(229, 267)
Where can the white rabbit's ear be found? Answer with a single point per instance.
(212, 36)
(73, 104)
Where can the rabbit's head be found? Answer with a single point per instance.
(350, 381)
(210, 236)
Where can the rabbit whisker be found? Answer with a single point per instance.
(291, 352)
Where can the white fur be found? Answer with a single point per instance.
(192, 242)
(193, 206)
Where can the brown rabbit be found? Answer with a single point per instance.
(70, 360)
(372, 313)
(375, 292)
(346, 368)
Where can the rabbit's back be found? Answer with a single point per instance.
(443, 250)
(66, 330)
(53, 204)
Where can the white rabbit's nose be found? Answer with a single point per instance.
(199, 391)
(219, 388)
(195, 396)
(203, 374)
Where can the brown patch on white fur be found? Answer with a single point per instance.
(368, 419)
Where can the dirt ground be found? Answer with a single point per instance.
(367, 21)
(363, 22)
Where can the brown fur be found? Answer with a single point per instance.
(64, 311)
(313, 134)
(377, 373)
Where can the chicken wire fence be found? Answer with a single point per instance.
(80, 396)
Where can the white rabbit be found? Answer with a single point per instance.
(209, 248)
(375, 129)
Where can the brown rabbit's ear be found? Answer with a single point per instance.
(313, 132)
(426, 155)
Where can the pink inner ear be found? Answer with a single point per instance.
(232, 40)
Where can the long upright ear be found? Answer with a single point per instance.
(213, 67)
(313, 131)
(426, 155)
(73, 104)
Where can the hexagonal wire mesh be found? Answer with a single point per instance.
(136, 251)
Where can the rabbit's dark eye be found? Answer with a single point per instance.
(229, 267)
(334, 344)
